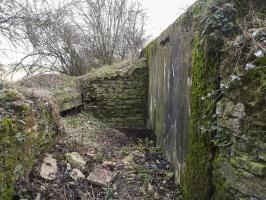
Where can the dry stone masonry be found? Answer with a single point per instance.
(117, 94)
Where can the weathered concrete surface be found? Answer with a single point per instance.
(117, 94)
(169, 60)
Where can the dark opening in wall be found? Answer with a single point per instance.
(135, 134)
(72, 111)
(165, 41)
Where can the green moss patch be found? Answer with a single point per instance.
(25, 131)
(122, 69)
(196, 180)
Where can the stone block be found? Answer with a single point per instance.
(76, 174)
(257, 168)
(102, 177)
(75, 160)
(114, 96)
(49, 168)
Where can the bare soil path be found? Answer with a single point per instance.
(141, 170)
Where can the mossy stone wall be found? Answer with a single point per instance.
(205, 107)
(27, 126)
(117, 94)
(239, 166)
(61, 88)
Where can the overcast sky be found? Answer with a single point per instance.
(162, 13)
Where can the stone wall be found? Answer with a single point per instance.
(117, 94)
(206, 99)
(240, 163)
(27, 126)
(62, 89)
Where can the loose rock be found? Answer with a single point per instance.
(75, 160)
(43, 188)
(76, 174)
(250, 66)
(49, 168)
(102, 177)
(150, 189)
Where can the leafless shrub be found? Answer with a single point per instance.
(112, 29)
(247, 42)
(54, 41)
(11, 14)
(74, 36)
(251, 23)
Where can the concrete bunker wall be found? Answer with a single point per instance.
(206, 99)
(169, 64)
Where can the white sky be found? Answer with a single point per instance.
(162, 13)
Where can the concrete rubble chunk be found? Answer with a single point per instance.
(49, 168)
(75, 160)
(234, 125)
(76, 174)
(102, 177)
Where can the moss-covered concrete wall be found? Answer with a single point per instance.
(206, 98)
(117, 94)
(169, 61)
(27, 126)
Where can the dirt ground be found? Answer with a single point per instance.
(143, 172)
